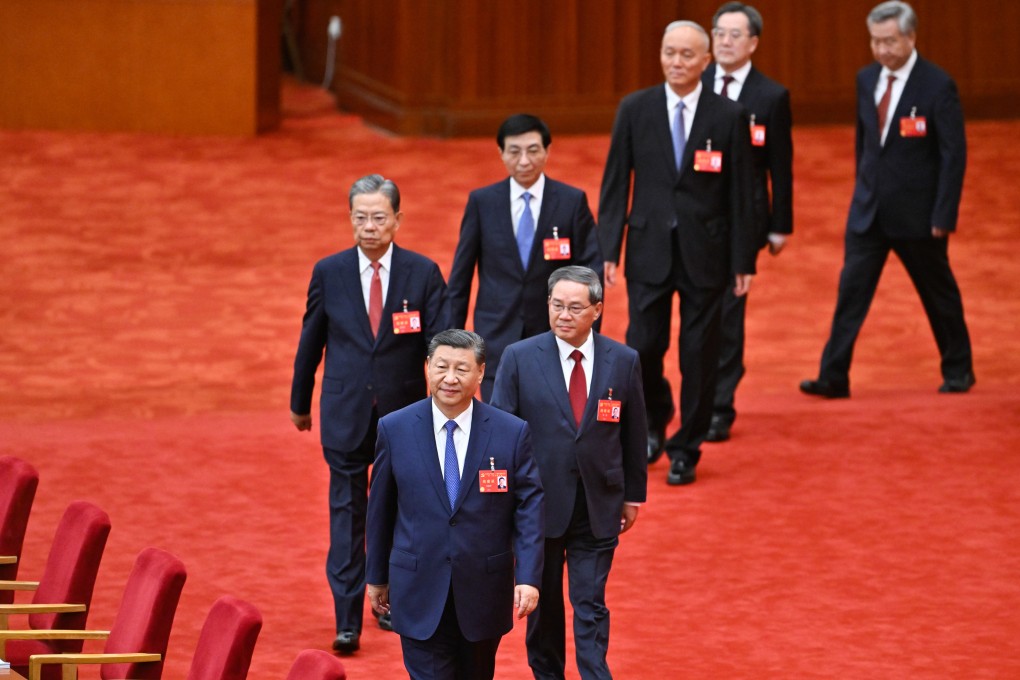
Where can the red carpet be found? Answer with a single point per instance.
(151, 296)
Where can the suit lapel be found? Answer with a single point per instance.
(426, 438)
(351, 277)
(548, 360)
(395, 295)
(908, 95)
(543, 230)
(600, 367)
(661, 126)
(478, 444)
(504, 226)
(699, 128)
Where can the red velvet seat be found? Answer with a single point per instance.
(136, 643)
(315, 664)
(18, 482)
(64, 591)
(227, 641)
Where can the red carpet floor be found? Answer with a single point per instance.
(150, 302)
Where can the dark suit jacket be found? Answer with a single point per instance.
(912, 183)
(511, 302)
(419, 547)
(388, 369)
(712, 211)
(611, 458)
(770, 103)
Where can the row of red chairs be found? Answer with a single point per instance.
(135, 646)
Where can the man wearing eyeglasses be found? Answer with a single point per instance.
(373, 308)
(736, 29)
(678, 181)
(517, 232)
(581, 394)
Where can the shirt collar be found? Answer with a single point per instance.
(690, 100)
(536, 190)
(463, 421)
(739, 76)
(903, 72)
(364, 263)
(587, 347)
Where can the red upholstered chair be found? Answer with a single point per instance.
(64, 591)
(18, 482)
(227, 641)
(136, 644)
(315, 664)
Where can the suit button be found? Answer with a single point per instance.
(448, 560)
(368, 387)
(453, 522)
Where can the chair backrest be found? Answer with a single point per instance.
(18, 482)
(316, 664)
(71, 569)
(227, 641)
(146, 614)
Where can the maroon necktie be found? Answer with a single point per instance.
(726, 80)
(578, 390)
(883, 105)
(375, 300)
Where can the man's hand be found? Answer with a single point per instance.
(938, 232)
(609, 273)
(743, 284)
(379, 598)
(301, 422)
(525, 600)
(628, 517)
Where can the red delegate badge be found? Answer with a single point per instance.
(757, 133)
(609, 409)
(556, 248)
(492, 481)
(706, 160)
(406, 322)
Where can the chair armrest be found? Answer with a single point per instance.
(29, 608)
(34, 634)
(8, 559)
(36, 661)
(19, 585)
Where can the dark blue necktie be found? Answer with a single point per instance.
(451, 472)
(525, 230)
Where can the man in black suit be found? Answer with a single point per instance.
(690, 229)
(372, 308)
(911, 156)
(736, 29)
(581, 394)
(518, 231)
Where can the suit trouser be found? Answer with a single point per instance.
(348, 505)
(648, 332)
(927, 263)
(448, 655)
(731, 356)
(588, 561)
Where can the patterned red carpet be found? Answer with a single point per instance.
(150, 302)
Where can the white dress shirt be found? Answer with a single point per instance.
(736, 85)
(365, 267)
(690, 107)
(517, 201)
(902, 73)
(461, 435)
(587, 350)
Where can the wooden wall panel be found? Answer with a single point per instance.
(458, 67)
(178, 66)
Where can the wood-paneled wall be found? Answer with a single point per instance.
(458, 67)
(175, 66)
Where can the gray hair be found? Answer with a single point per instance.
(375, 184)
(754, 20)
(458, 339)
(683, 23)
(894, 9)
(578, 274)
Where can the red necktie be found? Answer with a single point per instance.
(726, 80)
(578, 389)
(375, 300)
(883, 105)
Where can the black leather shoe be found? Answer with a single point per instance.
(718, 431)
(385, 622)
(824, 388)
(958, 385)
(680, 473)
(656, 445)
(347, 642)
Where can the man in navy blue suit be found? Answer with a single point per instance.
(447, 542)
(911, 156)
(517, 232)
(581, 394)
(736, 28)
(373, 309)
